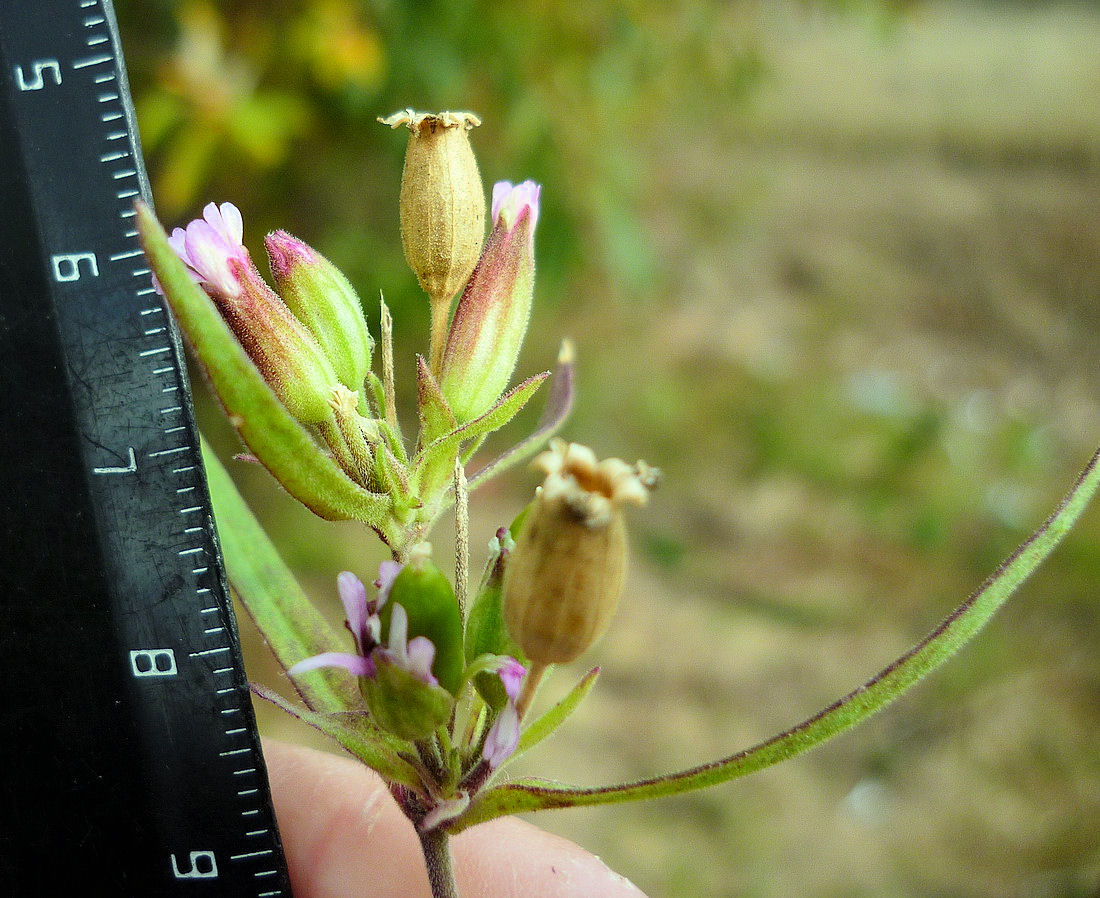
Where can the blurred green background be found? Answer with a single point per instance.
(835, 268)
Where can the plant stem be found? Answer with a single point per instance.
(530, 687)
(441, 319)
(462, 537)
(437, 856)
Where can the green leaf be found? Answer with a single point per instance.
(952, 633)
(278, 441)
(558, 406)
(434, 464)
(356, 733)
(557, 715)
(436, 417)
(288, 620)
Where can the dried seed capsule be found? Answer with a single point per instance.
(442, 200)
(563, 580)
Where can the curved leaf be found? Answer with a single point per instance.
(953, 632)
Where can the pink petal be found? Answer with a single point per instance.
(356, 664)
(503, 737)
(511, 675)
(419, 658)
(387, 573)
(354, 596)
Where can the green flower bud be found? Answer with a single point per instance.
(319, 295)
(485, 629)
(429, 600)
(490, 321)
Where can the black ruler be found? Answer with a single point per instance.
(129, 757)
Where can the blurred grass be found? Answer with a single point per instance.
(836, 273)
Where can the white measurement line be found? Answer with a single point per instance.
(242, 793)
(93, 20)
(185, 489)
(173, 429)
(199, 570)
(258, 832)
(138, 272)
(194, 551)
(202, 591)
(107, 98)
(123, 173)
(235, 751)
(129, 254)
(183, 470)
(193, 530)
(103, 79)
(127, 213)
(266, 873)
(171, 451)
(231, 688)
(169, 389)
(163, 370)
(92, 60)
(125, 195)
(216, 651)
(145, 291)
(239, 857)
(237, 711)
(191, 509)
(209, 610)
(211, 630)
(110, 116)
(95, 41)
(84, 4)
(117, 135)
(130, 234)
(251, 813)
(149, 352)
(168, 411)
(274, 894)
(245, 769)
(236, 730)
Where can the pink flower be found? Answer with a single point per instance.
(503, 737)
(209, 243)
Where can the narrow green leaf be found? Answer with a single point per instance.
(557, 715)
(288, 620)
(558, 406)
(436, 417)
(279, 442)
(356, 734)
(953, 632)
(434, 463)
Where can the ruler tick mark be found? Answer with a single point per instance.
(258, 832)
(107, 97)
(103, 79)
(193, 530)
(129, 254)
(234, 751)
(168, 411)
(93, 20)
(251, 813)
(110, 116)
(127, 213)
(92, 60)
(216, 651)
(96, 40)
(237, 711)
(149, 352)
(191, 509)
(185, 489)
(169, 451)
(145, 291)
(123, 173)
(238, 857)
(236, 731)
(183, 470)
(210, 631)
(171, 429)
(209, 610)
(200, 570)
(162, 370)
(244, 771)
(125, 195)
(194, 551)
(169, 389)
(116, 135)
(130, 234)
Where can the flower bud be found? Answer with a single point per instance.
(429, 601)
(490, 321)
(288, 356)
(563, 580)
(485, 629)
(442, 201)
(319, 295)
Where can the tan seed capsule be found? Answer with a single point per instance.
(442, 200)
(563, 580)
